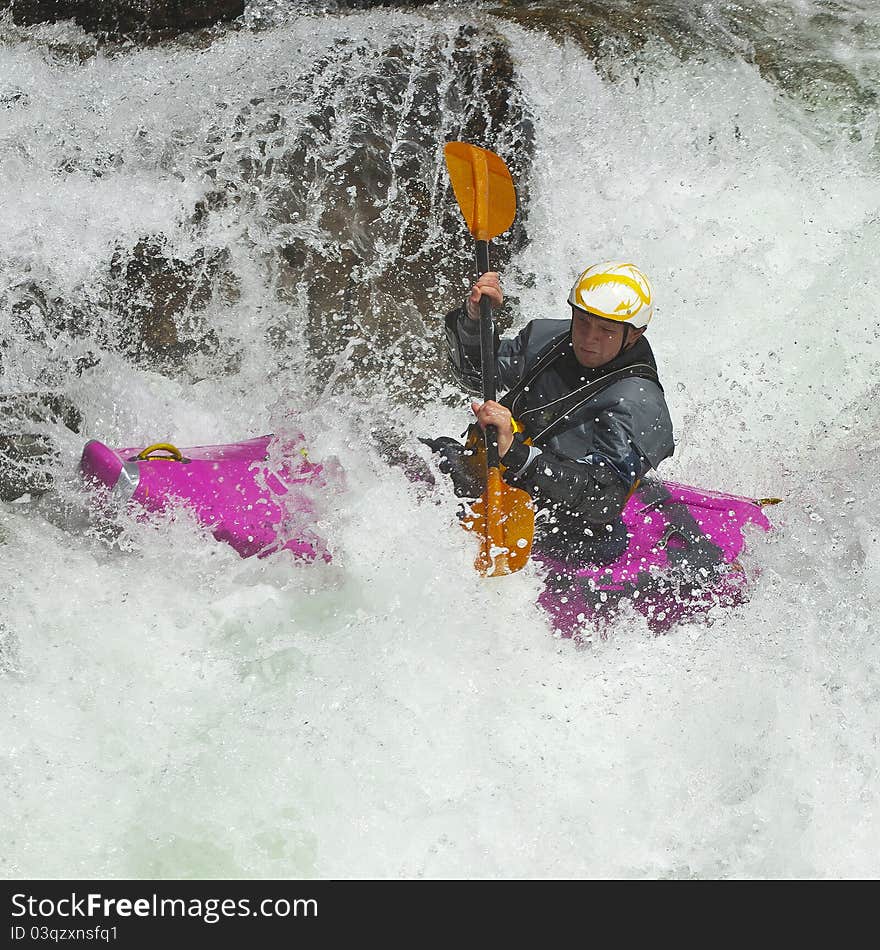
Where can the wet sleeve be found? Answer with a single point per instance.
(591, 487)
(463, 351)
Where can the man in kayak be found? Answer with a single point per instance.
(591, 418)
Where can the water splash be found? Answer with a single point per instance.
(171, 710)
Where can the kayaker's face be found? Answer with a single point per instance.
(596, 341)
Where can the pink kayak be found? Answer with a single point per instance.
(680, 560)
(236, 490)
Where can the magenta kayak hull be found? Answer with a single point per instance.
(680, 556)
(247, 499)
(680, 561)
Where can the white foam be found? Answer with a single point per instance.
(170, 710)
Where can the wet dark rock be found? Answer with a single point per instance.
(41, 407)
(340, 170)
(151, 307)
(27, 449)
(13, 98)
(49, 322)
(372, 238)
(369, 4)
(26, 462)
(158, 300)
(608, 29)
(127, 16)
(604, 27)
(789, 45)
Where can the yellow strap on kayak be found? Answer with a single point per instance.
(633, 490)
(147, 454)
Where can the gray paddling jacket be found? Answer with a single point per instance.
(593, 432)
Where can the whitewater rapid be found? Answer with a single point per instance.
(169, 710)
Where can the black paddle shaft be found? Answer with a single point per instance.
(487, 354)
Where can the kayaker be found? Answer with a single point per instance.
(591, 417)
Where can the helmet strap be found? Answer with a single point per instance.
(623, 341)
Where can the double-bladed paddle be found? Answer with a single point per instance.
(504, 516)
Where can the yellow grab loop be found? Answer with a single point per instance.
(483, 189)
(147, 455)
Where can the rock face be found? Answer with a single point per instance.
(329, 176)
(158, 298)
(127, 16)
(27, 451)
(613, 32)
(369, 4)
(348, 165)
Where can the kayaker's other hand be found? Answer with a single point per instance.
(492, 413)
(490, 285)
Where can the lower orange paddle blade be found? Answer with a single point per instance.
(504, 518)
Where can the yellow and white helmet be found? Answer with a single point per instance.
(614, 291)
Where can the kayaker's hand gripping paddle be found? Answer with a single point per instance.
(504, 516)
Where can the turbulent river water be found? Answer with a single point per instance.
(169, 710)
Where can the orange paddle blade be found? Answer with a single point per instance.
(483, 188)
(504, 517)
